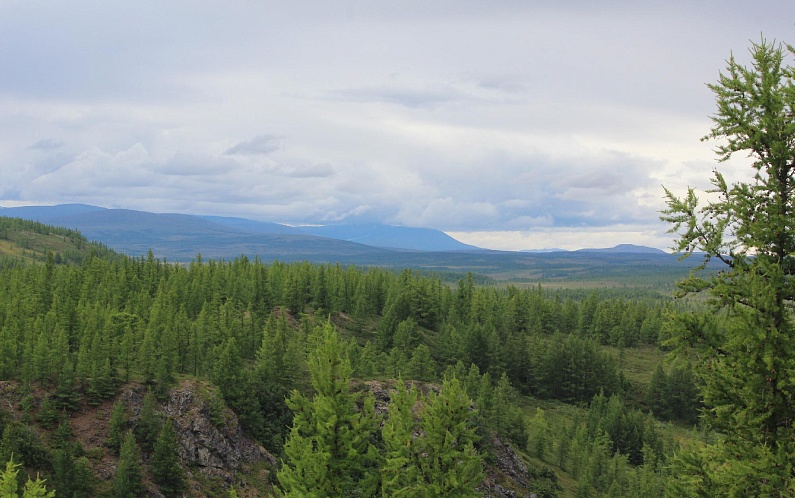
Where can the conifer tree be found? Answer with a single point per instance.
(9, 485)
(747, 340)
(329, 451)
(165, 464)
(72, 478)
(128, 482)
(149, 422)
(452, 466)
(401, 473)
(431, 454)
(118, 419)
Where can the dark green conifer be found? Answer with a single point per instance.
(128, 482)
(165, 464)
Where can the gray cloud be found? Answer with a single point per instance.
(516, 118)
(261, 144)
(46, 145)
(412, 98)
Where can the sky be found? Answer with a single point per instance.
(507, 124)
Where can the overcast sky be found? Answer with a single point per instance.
(508, 124)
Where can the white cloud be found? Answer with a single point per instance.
(513, 120)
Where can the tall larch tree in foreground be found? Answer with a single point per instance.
(330, 451)
(744, 345)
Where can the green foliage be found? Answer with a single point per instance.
(79, 330)
(149, 423)
(746, 339)
(72, 477)
(24, 444)
(330, 450)
(116, 424)
(9, 484)
(165, 463)
(673, 395)
(432, 453)
(575, 369)
(128, 482)
(236, 385)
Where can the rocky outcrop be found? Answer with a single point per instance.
(215, 449)
(507, 465)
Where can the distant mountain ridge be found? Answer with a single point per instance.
(627, 248)
(183, 236)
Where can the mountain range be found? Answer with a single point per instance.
(181, 238)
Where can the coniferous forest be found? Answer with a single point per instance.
(291, 350)
(130, 376)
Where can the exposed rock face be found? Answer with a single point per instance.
(210, 447)
(217, 450)
(509, 465)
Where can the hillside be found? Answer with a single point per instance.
(26, 240)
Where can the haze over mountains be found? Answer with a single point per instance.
(180, 237)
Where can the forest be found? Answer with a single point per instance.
(336, 380)
(74, 333)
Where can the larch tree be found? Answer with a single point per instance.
(128, 482)
(745, 343)
(330, 450)
(165, 462)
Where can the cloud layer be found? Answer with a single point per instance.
(515, 125)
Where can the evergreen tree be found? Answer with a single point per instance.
(747, 339)
(72, 478)
(165, 464)
(149, 423)
(8, 479)
(118, 419)
(431, 454)
(128, 482)
(449, 463)
(329, 451)
(401, 472)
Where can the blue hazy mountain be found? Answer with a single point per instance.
(627, 248)
(183, 236)
(390, 237)
(180, 238)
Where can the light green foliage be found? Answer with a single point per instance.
(8, 479)
(430, 444)
(747, 340)
(330, 450)
(401, 476)
(9, 484)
